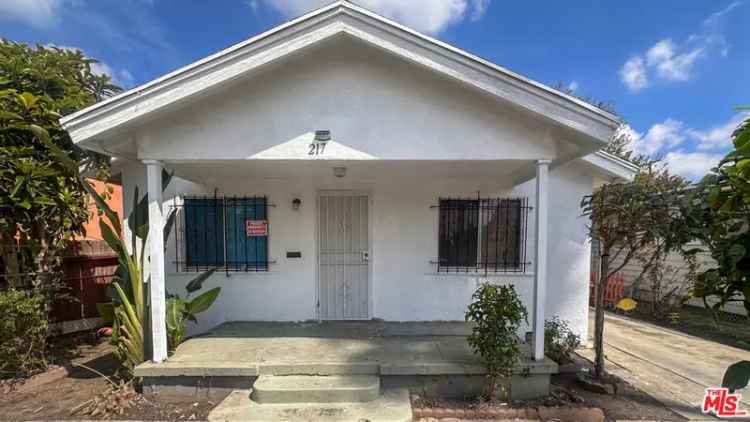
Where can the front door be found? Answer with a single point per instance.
(343, 255)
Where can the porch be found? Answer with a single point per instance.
(429, 358)
(359, 246)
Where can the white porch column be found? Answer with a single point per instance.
(541, 209)
(156, 264)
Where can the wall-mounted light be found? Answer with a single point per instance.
(296, 204)
(339, 171)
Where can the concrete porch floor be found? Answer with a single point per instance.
(430, 358)
(330, 348)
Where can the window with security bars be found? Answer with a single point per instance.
(482, 235)
(230, 233)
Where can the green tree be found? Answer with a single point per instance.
(627, 218)
(42, 200)
(621, 146)
(718, 212)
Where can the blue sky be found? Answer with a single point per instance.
(673, 69)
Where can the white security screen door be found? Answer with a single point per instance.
(343, 255)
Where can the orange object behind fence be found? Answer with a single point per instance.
(614, 290)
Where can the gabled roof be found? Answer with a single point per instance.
(612, 165)
(593, 126)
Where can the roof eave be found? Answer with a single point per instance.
(612, 165)
(606, 122)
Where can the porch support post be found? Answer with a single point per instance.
(156, 262)
(541, 209)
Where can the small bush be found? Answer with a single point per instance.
(23, 333)
(559, 340)
(497, 313)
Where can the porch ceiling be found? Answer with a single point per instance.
(212, 172)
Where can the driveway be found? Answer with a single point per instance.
(674, 368)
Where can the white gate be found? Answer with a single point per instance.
(343, 255)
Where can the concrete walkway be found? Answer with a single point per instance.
(674, 368)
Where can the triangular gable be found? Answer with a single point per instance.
(594, 126)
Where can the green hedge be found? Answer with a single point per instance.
(23, 331)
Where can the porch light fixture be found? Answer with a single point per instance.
(296, 203)
(339, 171)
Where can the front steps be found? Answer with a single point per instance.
(310, 397)
(315, 389)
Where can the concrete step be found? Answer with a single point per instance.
(316, 389)
(392, 405)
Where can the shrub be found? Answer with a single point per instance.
(23, 331)
(559, 340)
(497, 313)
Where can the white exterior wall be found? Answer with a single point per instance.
(408, 136)
(374, 104)
(405, 285)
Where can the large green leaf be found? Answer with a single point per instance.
(203, 302)
(175, 312)
(111, 238)
(197, 283)
(737, 376)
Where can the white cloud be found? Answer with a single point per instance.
(633, 74)
(691, 165)
(716, 17)
(670, 61)
(478, 9)
(661, 136)
(671, 66)
(686, 151)
(720, 136)
(38, 13)
(430, 16)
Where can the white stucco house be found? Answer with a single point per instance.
(342, 166)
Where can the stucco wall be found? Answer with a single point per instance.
(405, 284)
(372, 102)
(407, 136)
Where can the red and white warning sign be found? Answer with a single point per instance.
(254, 228)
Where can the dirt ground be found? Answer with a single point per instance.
(628, 404)
(61, 397)
(55, 400)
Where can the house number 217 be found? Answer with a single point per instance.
(317, 148)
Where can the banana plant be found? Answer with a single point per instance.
(128, 298)
(181, 310)
(129, 308)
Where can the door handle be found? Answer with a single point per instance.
(365, 256)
